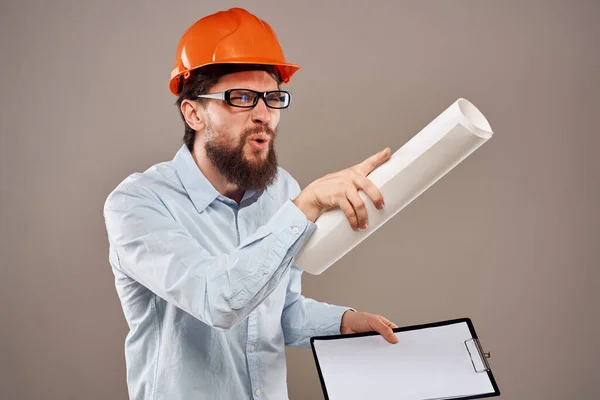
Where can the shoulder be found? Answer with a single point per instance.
(140, 186)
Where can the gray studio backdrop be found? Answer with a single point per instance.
(508, 238)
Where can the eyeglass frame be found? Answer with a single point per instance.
(225, 96)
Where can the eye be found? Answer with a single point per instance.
(278, 99)
(242, 97)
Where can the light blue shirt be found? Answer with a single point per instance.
(208, 288)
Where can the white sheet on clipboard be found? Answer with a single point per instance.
(429, 363)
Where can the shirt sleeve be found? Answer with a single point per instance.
(303, 318)
(220, 290)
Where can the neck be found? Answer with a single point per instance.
(211, 173)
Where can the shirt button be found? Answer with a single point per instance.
(252, 348)
(295, 230)
(257, 392)
(265, 271)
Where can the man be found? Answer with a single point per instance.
(202, 247)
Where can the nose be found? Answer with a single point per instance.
(261, 113)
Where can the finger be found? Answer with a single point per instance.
(384, 330)
(359, 206)
(370, 189)
(388, 322)
(347, 208)
(368, 165)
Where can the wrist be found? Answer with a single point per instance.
(307, 206)
(344, 322)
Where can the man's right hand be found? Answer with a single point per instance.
(340, 189)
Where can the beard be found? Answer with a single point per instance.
(233, 165)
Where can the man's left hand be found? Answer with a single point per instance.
(356, 322)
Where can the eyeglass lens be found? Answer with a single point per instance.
(248, 98)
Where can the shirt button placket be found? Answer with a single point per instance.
(253, 333)
(252, 356)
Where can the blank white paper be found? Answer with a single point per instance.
(430, 363)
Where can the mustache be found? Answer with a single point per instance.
(259, 129)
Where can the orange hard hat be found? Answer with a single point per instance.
(228, 37)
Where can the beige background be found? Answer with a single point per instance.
(508, 238)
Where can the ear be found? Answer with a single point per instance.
(193, 114)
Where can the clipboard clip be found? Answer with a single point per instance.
(480, 363)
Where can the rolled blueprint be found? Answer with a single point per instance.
(412, 169)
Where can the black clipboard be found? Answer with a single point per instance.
(479, 358)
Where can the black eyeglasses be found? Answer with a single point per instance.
(246, 98)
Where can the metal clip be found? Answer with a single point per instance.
(483, 356)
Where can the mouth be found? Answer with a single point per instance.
(259, 142)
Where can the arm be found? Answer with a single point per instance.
(303, 318)
(220, 290)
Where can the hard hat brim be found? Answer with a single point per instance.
(286, 70)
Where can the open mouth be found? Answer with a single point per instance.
(260, 140)
(259, 144)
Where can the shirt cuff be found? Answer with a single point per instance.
(332, 318)
(293, 226)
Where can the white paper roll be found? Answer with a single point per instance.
(412, 169)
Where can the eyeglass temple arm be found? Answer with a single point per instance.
(218, 96)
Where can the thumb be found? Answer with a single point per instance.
(385, 331)
(388, 322)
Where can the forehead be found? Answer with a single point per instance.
(256, 80)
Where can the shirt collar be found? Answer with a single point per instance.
(198, 187)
